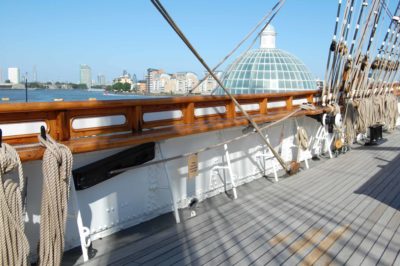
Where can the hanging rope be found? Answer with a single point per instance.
(302, 138)
(14, 246)
(57, 171)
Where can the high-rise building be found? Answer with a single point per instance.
(101, 79)
(14, 75)
(1, 75)
(152, 75)
(34, 74)
(86, 75)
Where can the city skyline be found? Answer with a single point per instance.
(121, 41)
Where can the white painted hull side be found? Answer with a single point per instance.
(142, 194)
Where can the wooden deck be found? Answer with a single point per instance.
(341, 211)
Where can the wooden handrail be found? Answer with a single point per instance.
(182, 116)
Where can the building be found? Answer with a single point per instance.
(267, 69)
(185, 82)
(179, 83)
(34, 74)
(151, 77)
(14, 75)
(126, 78)
(101, 79)
(209, 85)
(86, 75)
(141, 86)
(1, 75)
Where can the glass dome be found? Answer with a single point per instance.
(266, 70)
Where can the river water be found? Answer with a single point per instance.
(46, 95)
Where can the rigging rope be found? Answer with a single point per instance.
(57, 171)
(275, 9)
(177, 30)
(14, 246)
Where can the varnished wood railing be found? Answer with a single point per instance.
(60, 116)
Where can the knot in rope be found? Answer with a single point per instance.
(57, 171)
(14, 246)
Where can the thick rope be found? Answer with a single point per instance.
(14, 246)
(57, 171)
(302, 138)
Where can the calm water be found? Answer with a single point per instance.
(45, 95)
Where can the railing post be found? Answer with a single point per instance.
(310, 98)
(188, 112)
(135, 118)
(230, 110)
(289, 103)
(264, 106)
(62, 130)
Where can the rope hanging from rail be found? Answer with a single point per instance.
(57, 171)
(14, 246)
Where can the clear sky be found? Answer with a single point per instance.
(58, 36)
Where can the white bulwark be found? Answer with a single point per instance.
(14, 75)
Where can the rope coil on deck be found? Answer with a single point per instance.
(57, 171)
(14, 246)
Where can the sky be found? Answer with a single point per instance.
(110, 36)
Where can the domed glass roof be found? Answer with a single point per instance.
(267, 69)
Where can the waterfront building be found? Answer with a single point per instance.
(141, 86)
(185, 81)
(1, 75)
(267, 69)
(101, 79)
(177, 83)
(14, 75)
(34, 74)
(126, 78)
(86, 75)
(152, 75)
(209, 85)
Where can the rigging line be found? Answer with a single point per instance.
(337, 54)
(340, 66)
(330, 52)
(280, 2)
(358, 58)
(372, 41)
(168, 18)
(255, 39)
(363, 6)
(386, 56)
(349, 20)
(391, 77)
(392, 32)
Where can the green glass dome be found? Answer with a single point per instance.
(266, 70)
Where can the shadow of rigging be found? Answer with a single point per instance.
(390, 172)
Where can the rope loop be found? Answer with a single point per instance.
(57, 172)
(14, 246)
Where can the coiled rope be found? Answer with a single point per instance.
(57, 171)
(14, 246)
(302, 138)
